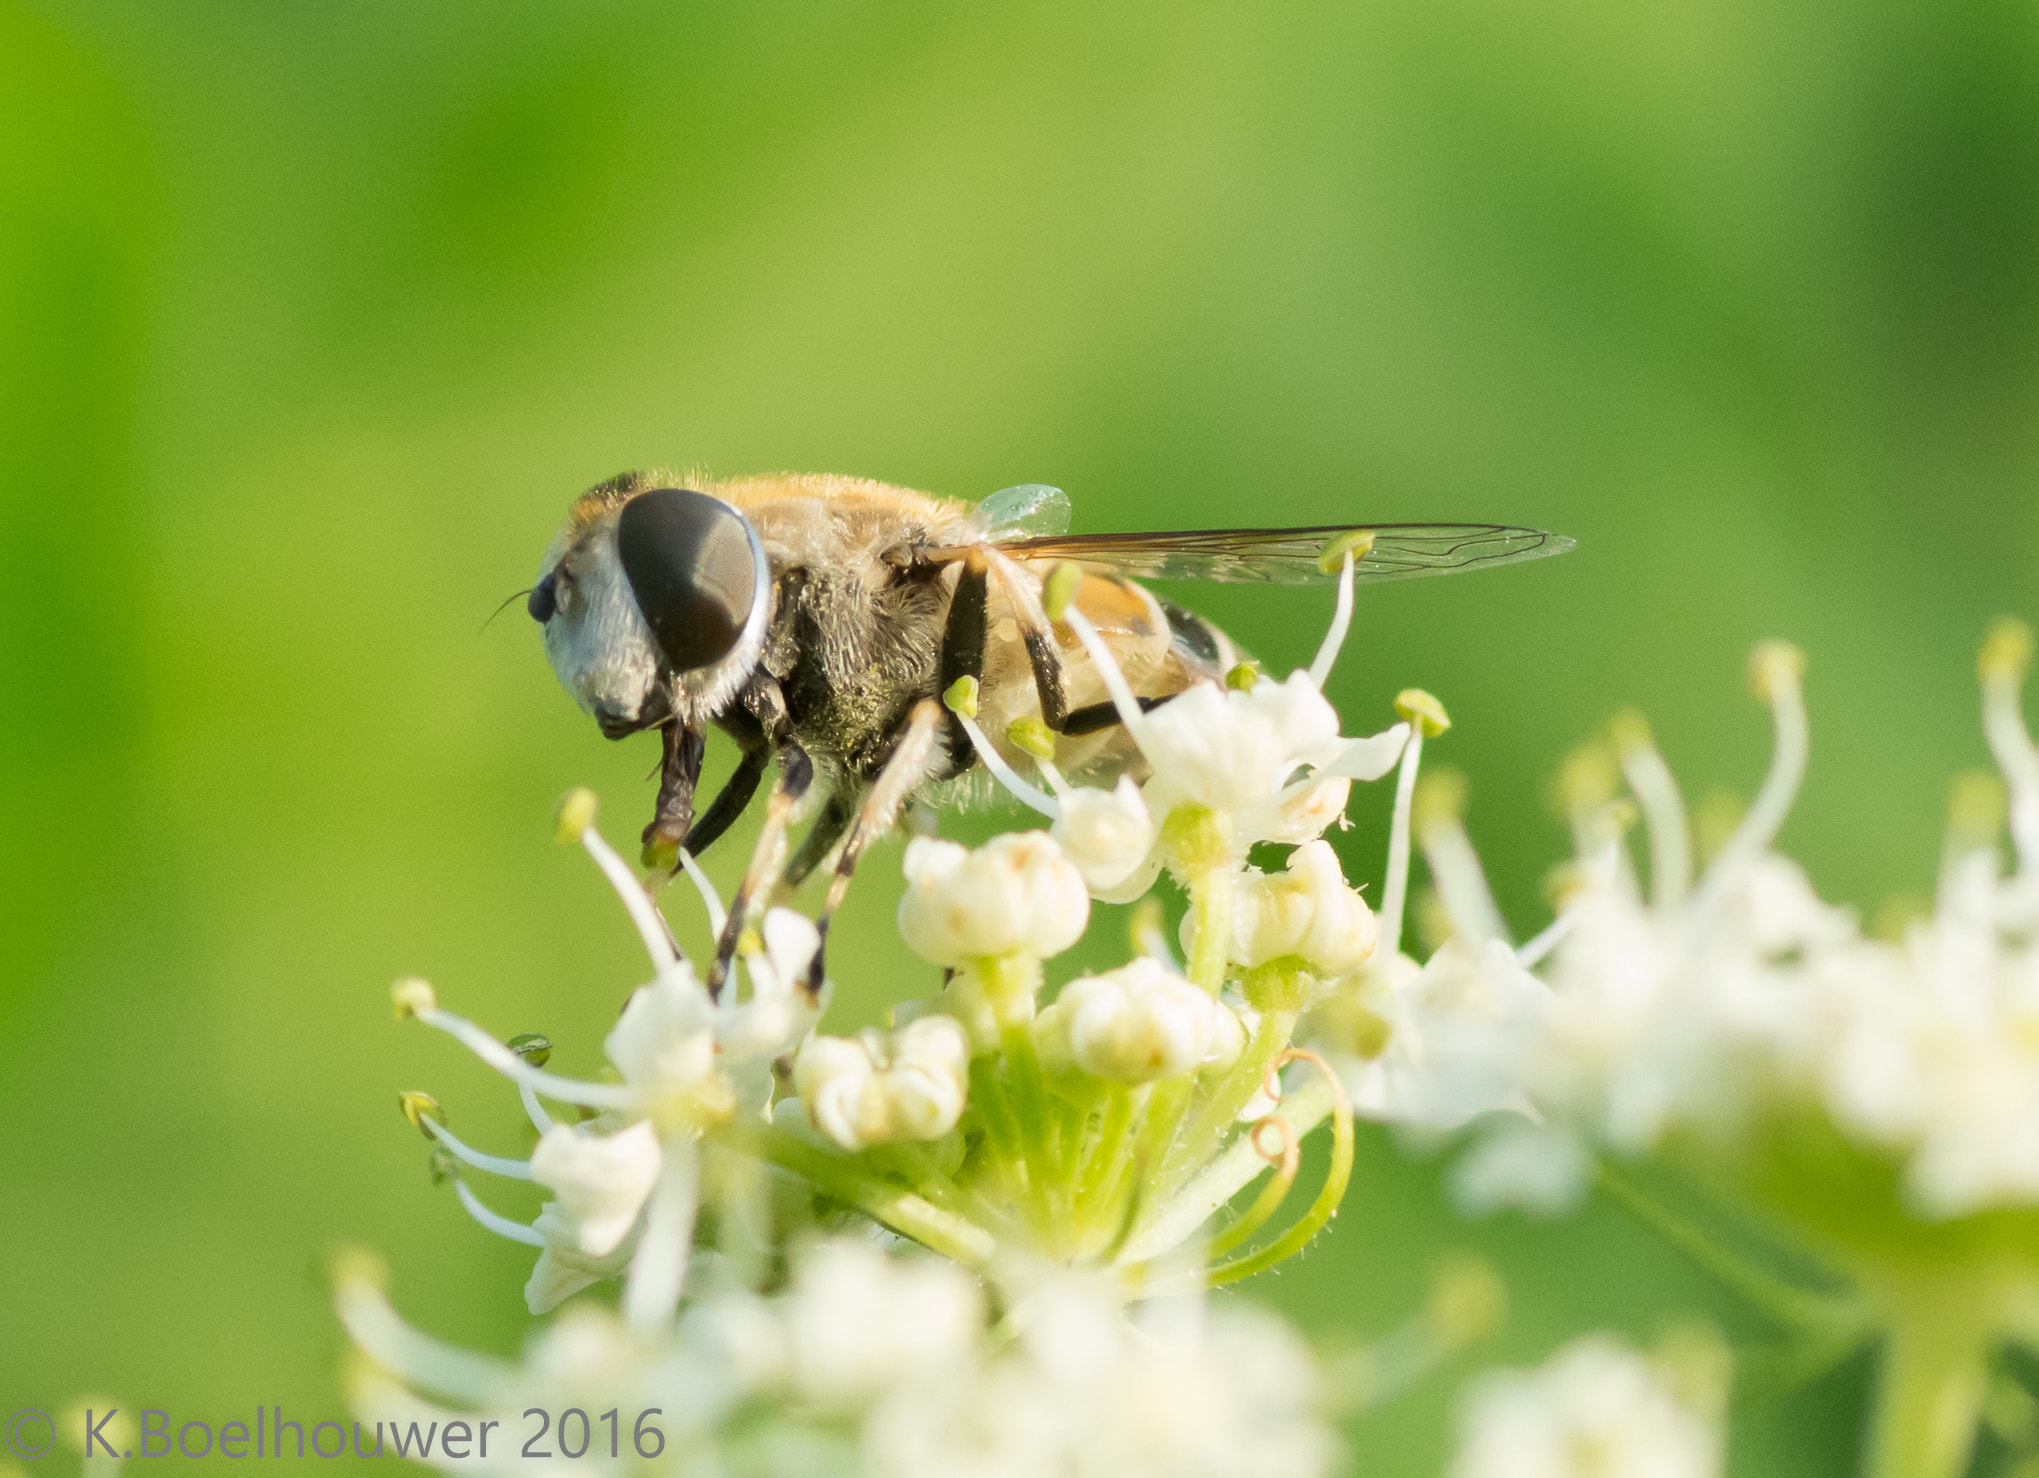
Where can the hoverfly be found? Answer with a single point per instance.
(817, 619)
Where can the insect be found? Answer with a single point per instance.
(816, 619)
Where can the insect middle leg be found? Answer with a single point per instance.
(911, 761)
(767, 858)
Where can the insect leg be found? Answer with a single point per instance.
(1041, 654)
(963, 647)
(767, 858)
(827, 830)
(730, 801)
(911, 760)
(1096, 716)
(679, 773)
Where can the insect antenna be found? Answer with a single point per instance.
(514, 595)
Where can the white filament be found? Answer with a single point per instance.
(650, 928)
(1341, 619)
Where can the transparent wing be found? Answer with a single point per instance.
(1033, 509)
(1399, 551)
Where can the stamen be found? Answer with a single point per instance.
(1532, 953)
(366, 1315)
(650, 928)
(1395, 891)
(1006, 775)
(501, 1225)
(711, 900)
(658, 1269)
(1663, 808)
(1341, 621)
(540, 1120)
(513, 1067)
(1108, 669)
(1461, 882)
(1776, 669)
(2003, 662)
(437, 1131)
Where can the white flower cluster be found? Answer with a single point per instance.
(686, 1063)
(1705, 1006)
(1596, 1409)
(874, 1364)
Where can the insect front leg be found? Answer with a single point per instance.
(912, 759)
(679, 772)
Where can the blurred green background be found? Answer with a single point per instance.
(314, 317)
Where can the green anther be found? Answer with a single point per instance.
(2006, 651)
(575, 815)
(1242, 676)
(1777, 664)
(1588, 779)
(350, 1266)
(1440, 796)
(660, 853)
(411, 997)
(443, 1165)
(1031, 736)
(1467, 1299)
(1630, 732)
(420, 1109)
(534, 1047)
(1357, 542)
(962, 696)
(1976, 807)
(1420, 708)
(1059, 589)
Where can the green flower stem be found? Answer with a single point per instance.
(1102, 1159)
(912, 1163)
(1796, 1308)
(1264, 1205)
(1313, 1221)
(1929, 1392)
(905, 1212)
(1198, 843)
(1220, 1109)
(1174, 1219)
(1001, 1133)
(1158, 1129)
(1010, 985)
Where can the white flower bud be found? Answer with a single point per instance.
(1016, 892)
(1106, 833)
(1308, 812)
(1304, 910)
(879, 1087)
(600, 1182)
(1233, 750)
(664, 1042)
(1137, 1024)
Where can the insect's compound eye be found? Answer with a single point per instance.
(544, 599)
(692, 563)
